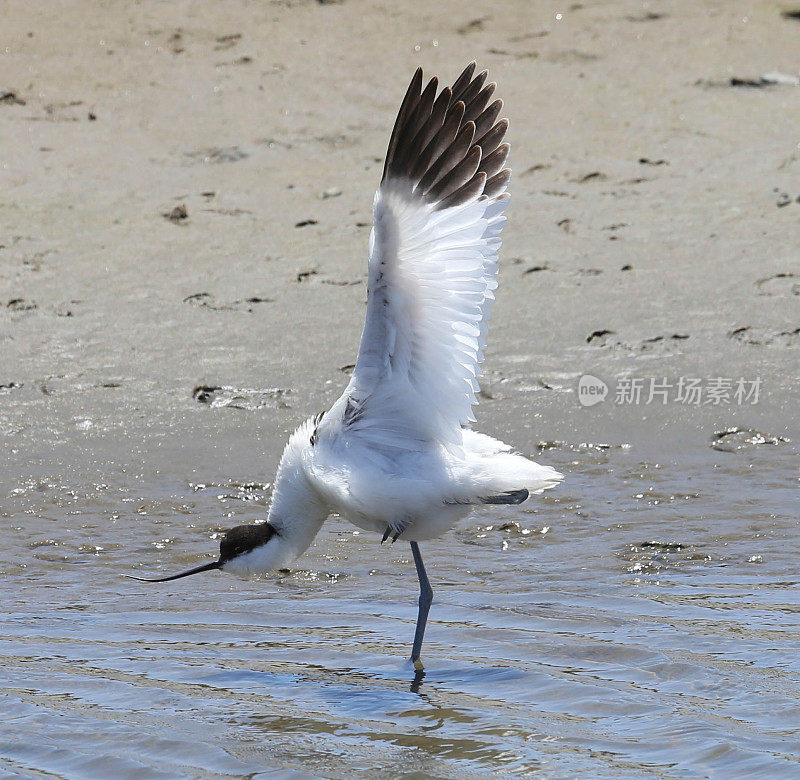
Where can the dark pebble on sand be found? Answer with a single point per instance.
(178, 215)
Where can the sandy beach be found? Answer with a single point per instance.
(185, 204)
(629, 146)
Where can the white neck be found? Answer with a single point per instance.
(297, 513)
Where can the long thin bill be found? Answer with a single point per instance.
(197, 570)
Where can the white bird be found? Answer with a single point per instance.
(394, 454)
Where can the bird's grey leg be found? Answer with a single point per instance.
(425, 599)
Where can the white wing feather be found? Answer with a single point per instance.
(432, 276)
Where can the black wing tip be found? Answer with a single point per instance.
(412, 96)
(497, 184)
(427, 147)
(509, 497)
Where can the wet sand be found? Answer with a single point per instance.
(185, 198)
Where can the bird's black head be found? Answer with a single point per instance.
(243, 539)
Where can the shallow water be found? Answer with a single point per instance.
(640, 620)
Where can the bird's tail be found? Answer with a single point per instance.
(494, 474)
(507, 472)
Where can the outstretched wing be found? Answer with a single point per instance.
(433, 261)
